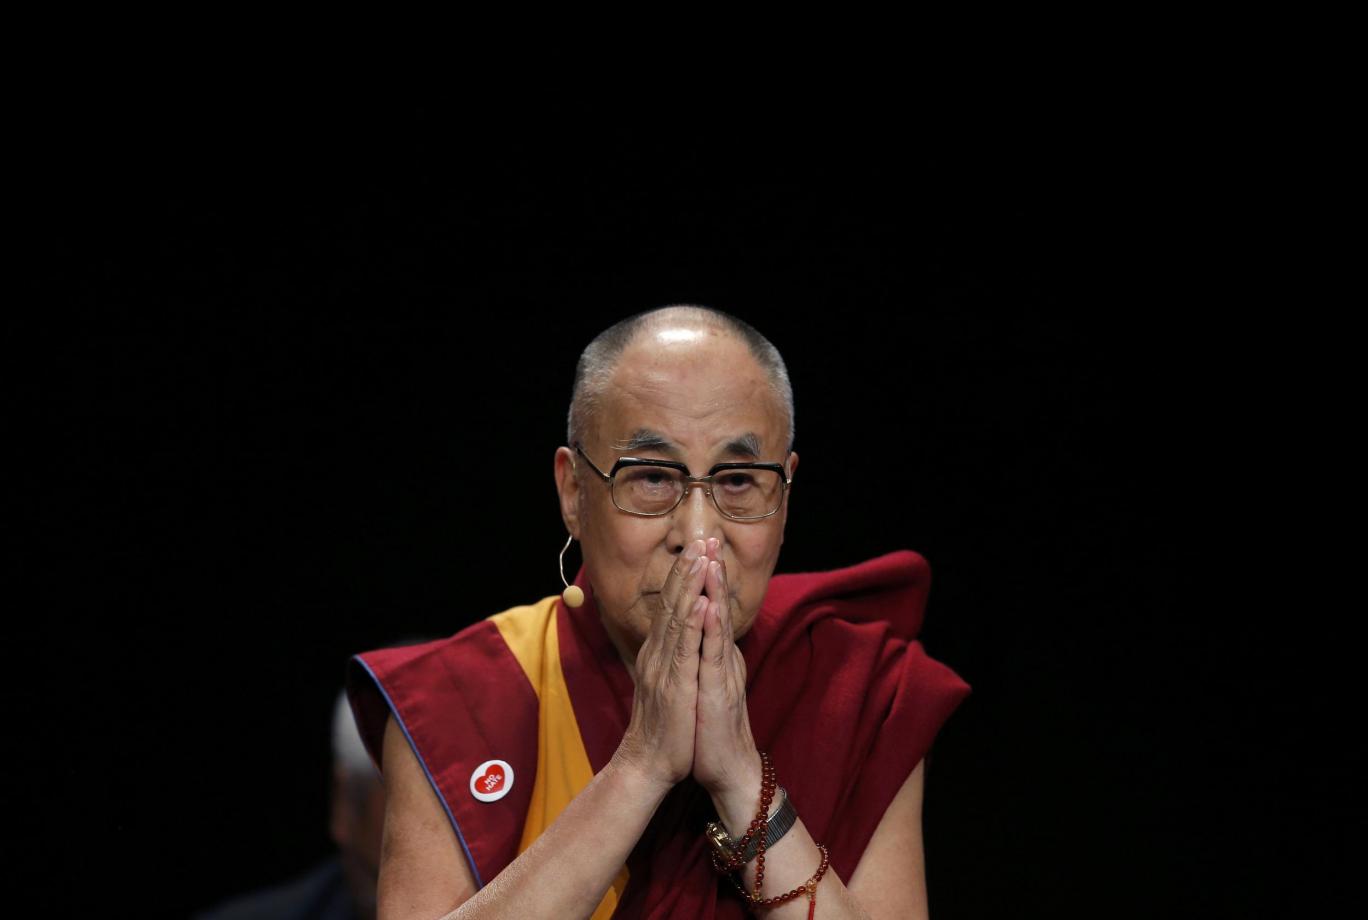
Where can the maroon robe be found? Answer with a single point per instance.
(840, 692)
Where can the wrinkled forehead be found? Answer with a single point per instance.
(702, 396)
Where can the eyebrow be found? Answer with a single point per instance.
(746, 445)
(646, 439)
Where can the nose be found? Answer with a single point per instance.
(695, 518)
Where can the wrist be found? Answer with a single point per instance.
(737, 798)
(637, 777)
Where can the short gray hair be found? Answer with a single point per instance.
(349, 752)
(599, 359)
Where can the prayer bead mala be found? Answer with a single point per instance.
(759, 825)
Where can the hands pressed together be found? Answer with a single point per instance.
(689, 712)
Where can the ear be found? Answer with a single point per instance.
(788, 493)
(567, 484)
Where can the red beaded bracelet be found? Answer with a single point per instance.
(808, 888)
(758, 826)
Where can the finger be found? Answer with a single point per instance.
(719, 591)
(691, 587)
(714, 643)
(735, 661)
(680, 573)
(685, 663)
(683, 585)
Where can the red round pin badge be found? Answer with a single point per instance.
(491, 780)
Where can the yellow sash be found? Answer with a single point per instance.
(562, 763)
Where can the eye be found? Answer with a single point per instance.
(736, 480)
(648, 478)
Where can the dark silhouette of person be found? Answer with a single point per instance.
(341, 887)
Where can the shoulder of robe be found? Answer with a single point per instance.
(891, 589)
(473, 665)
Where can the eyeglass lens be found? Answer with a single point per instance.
(738, 493)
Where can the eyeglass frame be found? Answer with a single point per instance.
(690, 479)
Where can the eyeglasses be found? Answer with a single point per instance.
(741, 491)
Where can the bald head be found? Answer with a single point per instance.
(673, 324)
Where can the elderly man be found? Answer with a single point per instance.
(600, 754)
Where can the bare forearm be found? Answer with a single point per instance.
(569, 867)
(788, 865)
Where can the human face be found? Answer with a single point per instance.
(695, 395)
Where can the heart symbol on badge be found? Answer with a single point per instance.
(491, 780)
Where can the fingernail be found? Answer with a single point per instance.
(697, 564)
(692, 552)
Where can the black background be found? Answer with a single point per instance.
(302, 371)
